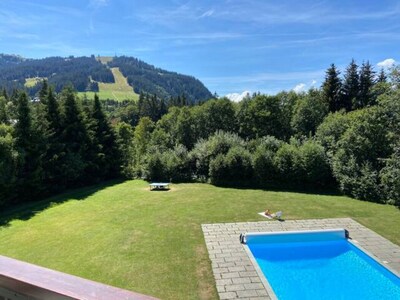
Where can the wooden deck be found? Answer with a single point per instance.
(23, 281)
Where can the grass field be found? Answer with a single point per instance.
(119, 90)
(151, 242)
(104, 59)
(31, 82)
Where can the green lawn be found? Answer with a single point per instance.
(151, 242)
(119, 90)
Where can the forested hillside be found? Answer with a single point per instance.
(344, 136)
(85, 74)
(146, 78)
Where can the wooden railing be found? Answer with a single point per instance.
(24, 281)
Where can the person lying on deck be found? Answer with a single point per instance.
(277, 215)
(267, 212)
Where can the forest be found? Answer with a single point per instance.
(343, 136)
(84, 73)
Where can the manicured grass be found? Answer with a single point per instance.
(119, 90)
(151, 242)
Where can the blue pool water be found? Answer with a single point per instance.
(321, 268)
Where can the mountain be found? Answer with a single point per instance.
(91, 74)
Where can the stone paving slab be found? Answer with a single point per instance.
(235, 274)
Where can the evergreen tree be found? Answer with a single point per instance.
(53, 113)
(4, 94)
(75, 138)
(107, 158)
(23, 128)
(29, 166)
(163, 108)
(184, 101)
(382, 78)
(140, 104)
(350, 86)
(8, 159)
(365, 96)
(125, 134)
(55, 148)
(331, 88)
(3, 111)
(44, 91)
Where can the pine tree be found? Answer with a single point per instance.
(3, 111)
(75, 139)
(350, 86)
(140, 104)
(53, 113)
(4, 94)
(29, 164)
(331, 88)
(382, 78)
(44, 92)
(163, 108)
(55, 149)
(106, 157)
(365, 96)
(23, 128)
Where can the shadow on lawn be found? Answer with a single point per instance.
(276, 187)
(25, 211)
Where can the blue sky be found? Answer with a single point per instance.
(231, 46)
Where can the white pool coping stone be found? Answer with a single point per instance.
(236, 276)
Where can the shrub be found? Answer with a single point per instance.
(170, 165)
(206, 150)
(154, 168)
(234, 167)
(263, 159)
(314, 164)
(287, 163)
(302, 163)
(390, 178)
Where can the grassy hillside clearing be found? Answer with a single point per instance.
(104, 59)
(151, 242)
(120, 90)
(31, 82)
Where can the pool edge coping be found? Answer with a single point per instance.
(232, 266)
(263, 278)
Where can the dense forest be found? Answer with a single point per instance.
(84, 74)
(146, 78)
(344, 135)
(78, 71)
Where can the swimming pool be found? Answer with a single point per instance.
(320, 264)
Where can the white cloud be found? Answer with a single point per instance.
(313, 82)
(387, 63)
(236, 97)
(208, 13)
(98, 3)
(301, 87)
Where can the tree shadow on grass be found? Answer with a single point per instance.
(287, 188)
(25, 211)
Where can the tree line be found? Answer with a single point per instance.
(57, 143)
(344, 135)
(145, 78)
(81, 72)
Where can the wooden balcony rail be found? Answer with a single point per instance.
(23, 281)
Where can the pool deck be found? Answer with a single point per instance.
(234, 273)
